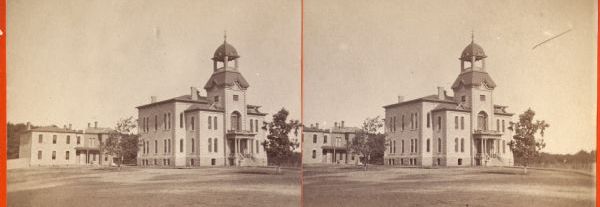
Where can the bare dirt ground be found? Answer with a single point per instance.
(153, 187)
(386, 186)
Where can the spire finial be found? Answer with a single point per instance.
(225, 36)
(472, 36)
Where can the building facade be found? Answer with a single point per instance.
(219, 129)
(53, 146)
(328, 146)
(467, 129)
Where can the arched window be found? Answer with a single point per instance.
(439, 145)
(462, 144)
(235, 121)
(482, 120)
(215, 120)
(462, 122)
(216, 144)
(314, 154)
(209, 144)
(456, 144)
(314, 138)
(428, 145)
(209, 122)
(181, 145)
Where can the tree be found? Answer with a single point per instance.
(525, 146)
(368, 141)
(278, 145)
(120, 141)
(13, 136)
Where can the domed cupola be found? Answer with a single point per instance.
(472, 54)
(224, 54)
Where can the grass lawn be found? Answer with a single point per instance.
(387, 186)
(153, 187)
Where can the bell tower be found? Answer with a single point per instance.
(473, 88)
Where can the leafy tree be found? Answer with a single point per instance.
(120, 141)
(13, 134)
(525, 146)
(278, 145)
(369, 141)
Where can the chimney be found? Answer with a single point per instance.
(441, 93)
(95, 124)
(317, 125)
(335, 125)
(400, 99)
(70, 126)
(65, 126)
(89, 125)
(312, 126)
(28, 125)
(342, 124)
(194, 93)
(152, 99)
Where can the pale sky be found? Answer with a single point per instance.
(73, 61)
(361, 55)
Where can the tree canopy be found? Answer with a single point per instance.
(278, 145)
(369, 141)
(525, 146)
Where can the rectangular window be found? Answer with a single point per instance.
(215, 122)
(325, 139)
(180, 120)
(416, 146)
(462, 122)
(209, 122)
(209, 145)
(40, 155)
(497, 125)
(402, 146)
(192, 145)
(68, 139)
(165, 146)
(416, 120)
(463, 98)
(256, 125)
(78, 140)
(439, 123)
(67, 155)
(251, 125)
(257, 146)
(155, 146)
(53, 139)
(455, 122)
(402, 126)
(236, 97)
(216, 98)
(40, 138)
(53, 155)
(428, 120)
(165, 121)
(155, 122)
(181, 145)
(482, 97)
(503, 126)
(169, 120)
(193, 124)
(216, 144)
(462, 145)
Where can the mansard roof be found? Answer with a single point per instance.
(226, 77)
(473, 78)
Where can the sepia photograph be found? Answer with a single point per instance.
(153, 103)
(300, 103)
(449, 103)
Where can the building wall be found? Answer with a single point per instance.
(157, 135)
(308, 145)
(454, 135)
(396, 137)
(47, 147)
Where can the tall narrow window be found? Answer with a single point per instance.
(314, 154)
(428, 120)
(180, 120)
(209, 122)
(209, 144)
(67, 155)
(53, 139)
(412, 146)
(325, 139)
(144, 147)
(402, 146)
(256, 125)
(314, 138)
(165, 121)
(53, 155)
(394, 146)
(456, 144)
(455, 122)
(462, 144)
(416, 146)
(193, 124)
(39, 154)
(40, 138)
(439, 145)
(155, 146)
(503, 147)
(169, 120)
(394, 123)
(193, 145)
(235, 121)
(439, 123)
(428, 144)
(503, 126)
(216, 144)
(78, 140)
(180, 145)
(68, 139)
(215, 122)
(155, 122)
(462, 122)
(251, 125)
(482, 121)
(165, 146)
(402, 126)
(416, 120)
